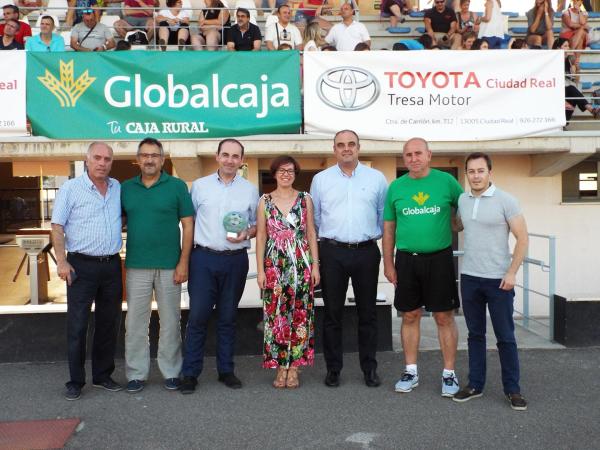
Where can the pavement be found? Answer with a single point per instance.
(561, 385)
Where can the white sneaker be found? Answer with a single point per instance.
(450, 386)
(407, 382)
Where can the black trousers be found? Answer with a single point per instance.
(338, 266)
(97, 282)
(576, 98)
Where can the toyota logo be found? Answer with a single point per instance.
(348, 88)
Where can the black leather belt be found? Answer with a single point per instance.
(105, 258)
(351, 245)
(425, 254)
(220, 252)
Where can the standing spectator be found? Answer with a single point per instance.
(574, 27)
(346, 34)
(155, 203)
(348, 201)
(91, 36)
(492, 24)
(313, 40)
(488, 276)
(138, 15)
(441, 25)
(282, 31)
(540, 20)
(11, 12)
(219, 263)
(213, 23)
(244, 35)
(8, 42)
(86, 222)
(418, 217)
(287, 261)
(46, 41)
(174, 24)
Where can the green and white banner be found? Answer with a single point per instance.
(170, 95)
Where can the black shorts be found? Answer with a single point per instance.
(426, 279)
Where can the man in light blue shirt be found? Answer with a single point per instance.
(219, 263)
(46, 41)
(348, 203)
(86, 222)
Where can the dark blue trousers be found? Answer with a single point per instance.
(477, 293)
(216, 281)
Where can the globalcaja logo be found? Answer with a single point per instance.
(348, 88)
(68, 90)
(420, 198)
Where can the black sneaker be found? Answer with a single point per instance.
(73, 392)
(172, 384)
(188, 386)
(230, 380)
(466, 394)
(135, 386)
(517, 402)
(109, 384)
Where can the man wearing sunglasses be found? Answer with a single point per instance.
(441, 25)
(244, 35)
(91, 36)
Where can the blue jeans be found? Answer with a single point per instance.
(215, 280)
(494, 42)
(476, 294)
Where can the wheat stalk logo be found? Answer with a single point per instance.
(67, 90)
(420, 199)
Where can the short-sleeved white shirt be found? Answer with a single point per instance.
(344, 38)
(183, 14)
(278, 35)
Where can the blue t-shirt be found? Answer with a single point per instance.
(35, 44)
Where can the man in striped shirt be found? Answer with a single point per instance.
(86, 223)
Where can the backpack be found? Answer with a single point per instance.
(137, 38)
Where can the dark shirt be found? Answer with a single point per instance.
(245, 41)
(14, 45)
(440, 22)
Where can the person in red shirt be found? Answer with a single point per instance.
(11, 12)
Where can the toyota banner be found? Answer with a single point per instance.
(440, 96)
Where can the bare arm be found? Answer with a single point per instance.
(63, 268)
(182, 269)
(261, 240)
(256, 45)
(311, 234)
(518, 228)
(487, 16)
(428, 28)
(389, 241)
(457, 225)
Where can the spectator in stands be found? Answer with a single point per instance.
(346, 34)
(174, 25)
(573, 96)
(313, 41)
(91, 36)
(574, 26)
(27, 6)
(328, 48)
(518, 44)
(423, 42)
(395, 10)
(312, 11)
(137, 15)
(244, 35)
(468, 39)
(122, 46)
(441, 25)
(362, 47)
(480, 44)
(8, 41)
(11, 12)
(283, 32)
(213, 23)
(492, 24)
(467, 20)
(587, 4)
(540, 20)
(75, 15)
(46, 41)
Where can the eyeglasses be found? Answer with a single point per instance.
(289, 172)
(284, 34)
(149, 155)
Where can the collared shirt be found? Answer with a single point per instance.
(278, 34)
(441, 21)
(92, 222)
(349, 208)
(213, 199)
(35, 44)
(245, 40)
(345, 37)
(486, 231)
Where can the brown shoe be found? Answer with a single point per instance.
(281, 378)
(292, 378)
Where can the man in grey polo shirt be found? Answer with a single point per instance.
(91, 36)
(488, 276)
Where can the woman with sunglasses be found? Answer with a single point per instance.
(287, 272)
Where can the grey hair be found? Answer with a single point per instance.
(97, 144)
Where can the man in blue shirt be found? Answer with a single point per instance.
(348, 201)
(46, 41)
(86, 222)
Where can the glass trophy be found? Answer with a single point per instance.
(234, 223)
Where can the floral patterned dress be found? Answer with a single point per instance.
(288, 298)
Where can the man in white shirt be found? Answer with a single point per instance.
(283, 32)
(345, 35)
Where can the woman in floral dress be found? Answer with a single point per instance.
(288, 270)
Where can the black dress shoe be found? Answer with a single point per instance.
(333, 378)
(371, 378)
(188, 385)
(230, 380)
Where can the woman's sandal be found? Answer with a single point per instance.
(292, 378)
(281, 378)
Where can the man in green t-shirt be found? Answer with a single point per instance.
(155, 203)
(417, 222)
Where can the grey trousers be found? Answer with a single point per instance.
(140, 285)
